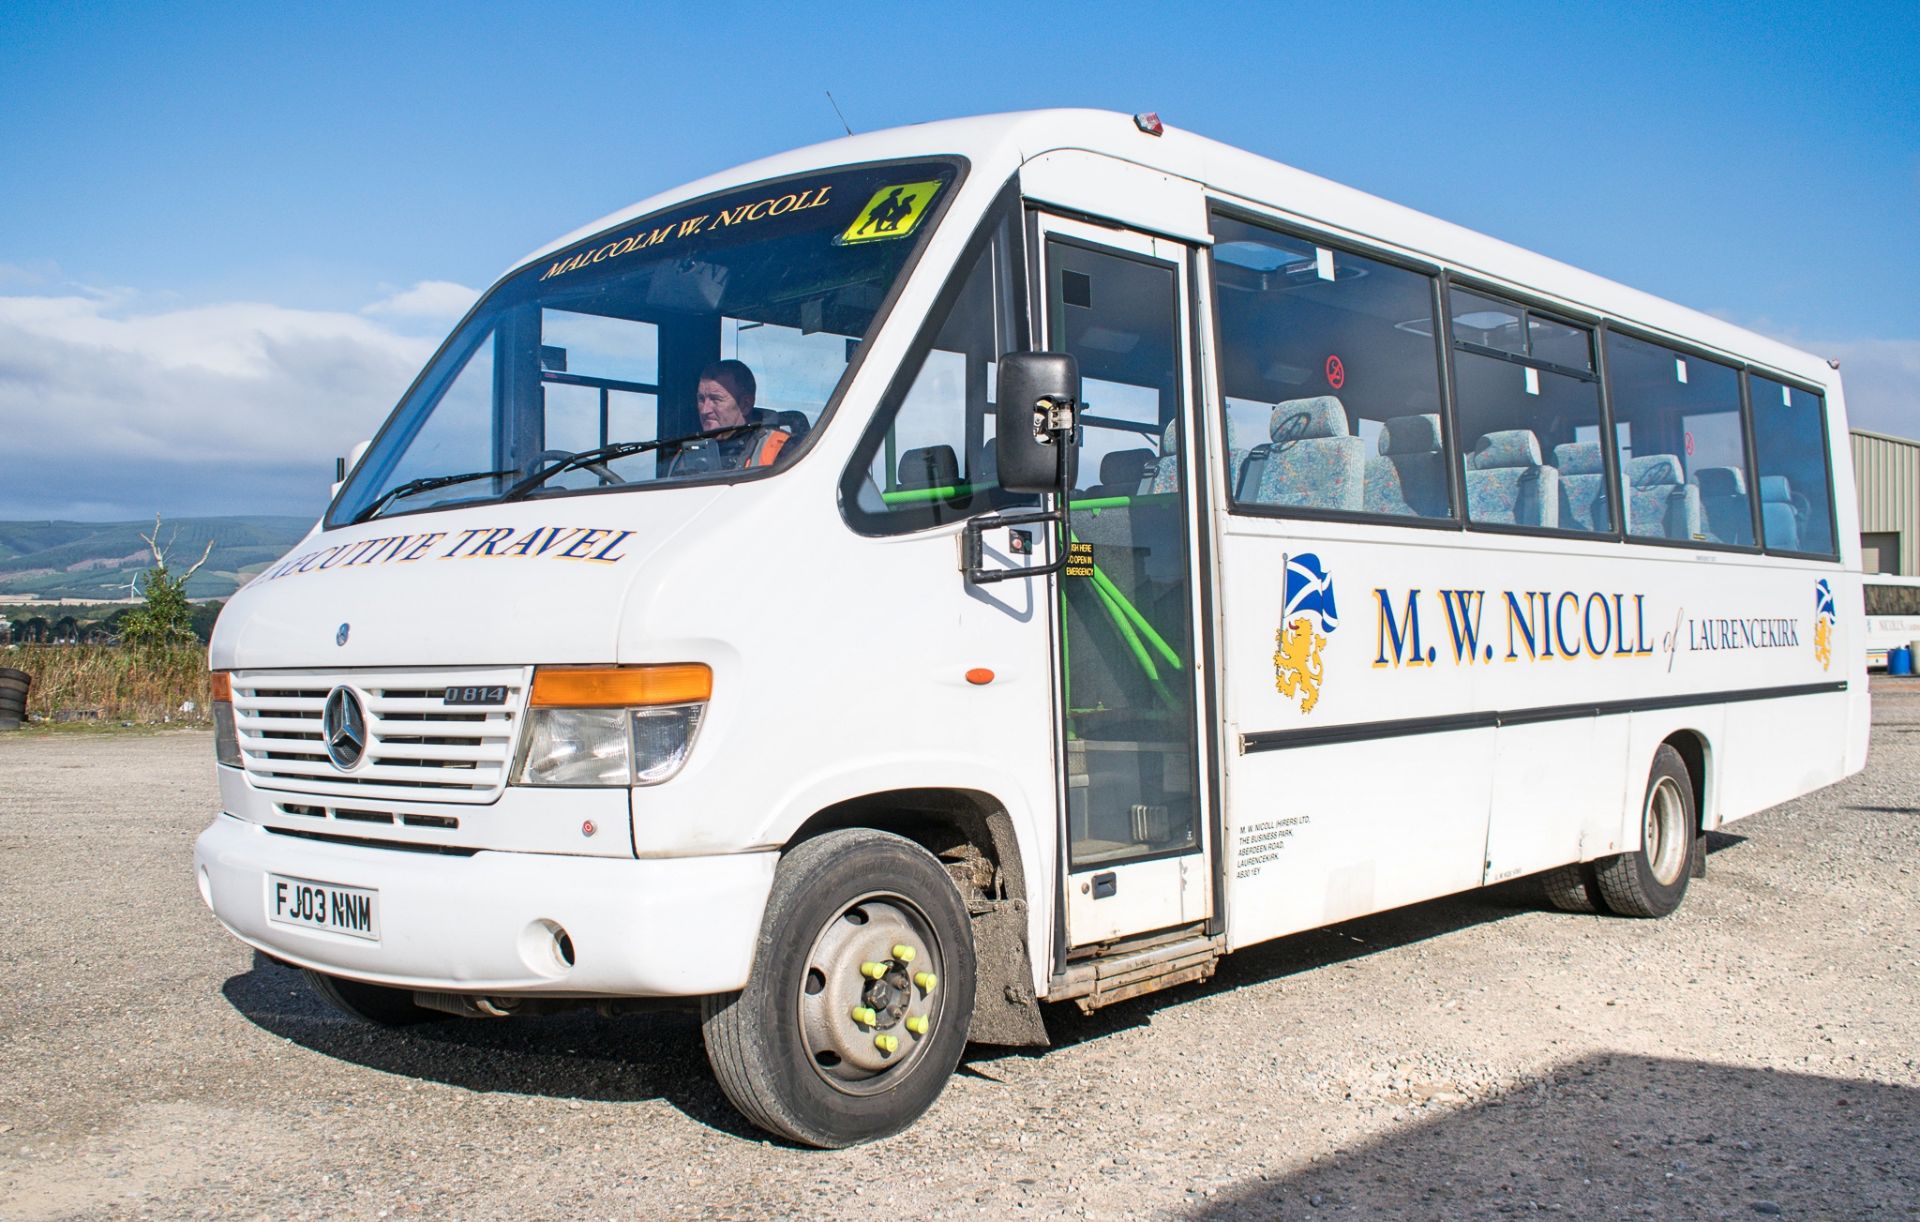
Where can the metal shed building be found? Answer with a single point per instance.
(1887, 473)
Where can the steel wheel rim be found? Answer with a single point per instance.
(1666, 832)
(844, 1048)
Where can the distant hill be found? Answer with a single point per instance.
(98, 559)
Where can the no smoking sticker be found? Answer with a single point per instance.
(1336, 372)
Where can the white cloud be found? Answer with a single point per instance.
(103, 401)
(440, 300)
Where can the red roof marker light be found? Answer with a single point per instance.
(1148, 121)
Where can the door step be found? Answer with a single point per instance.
(1122, 970)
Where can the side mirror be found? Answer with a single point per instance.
(1034, 423)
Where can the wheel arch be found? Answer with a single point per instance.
(973, 836)
(1697, 754)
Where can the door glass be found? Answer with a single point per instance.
(1129, 690)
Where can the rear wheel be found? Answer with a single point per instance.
(862, 989)
(371, 1003)
(1651, 881)
(1571, 888)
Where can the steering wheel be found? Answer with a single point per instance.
(605, 474)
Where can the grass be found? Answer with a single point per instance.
(121, 685)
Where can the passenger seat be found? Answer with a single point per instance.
(1314, 461)
(1723, 504)
(1584, 504)
(1508, 484)
(1777, 515)
(1660, 503)
(1408, 476)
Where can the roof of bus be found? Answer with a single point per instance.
(996, 145)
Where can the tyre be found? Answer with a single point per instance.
(1571, 888)
(1652, 880)
(862, 989)
(370, 1003)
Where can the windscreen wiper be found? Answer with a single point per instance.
(608, 453)
(424, 484)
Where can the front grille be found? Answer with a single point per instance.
(417, 747)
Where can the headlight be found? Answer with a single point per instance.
(226, 739)
(606, 725)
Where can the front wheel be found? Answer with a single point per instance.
(370, 1003)
(1652, 881)
(862, 988)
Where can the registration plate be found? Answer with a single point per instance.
(308, 904)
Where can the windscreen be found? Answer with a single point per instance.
(702, 342)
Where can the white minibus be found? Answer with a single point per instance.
(1892, 607)
(879, 589)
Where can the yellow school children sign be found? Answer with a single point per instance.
(891, 213)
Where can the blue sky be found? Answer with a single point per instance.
(231, 233)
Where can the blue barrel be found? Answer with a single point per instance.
(1900, 660)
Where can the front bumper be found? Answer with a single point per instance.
(652, 927)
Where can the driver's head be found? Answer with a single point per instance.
(725, 395)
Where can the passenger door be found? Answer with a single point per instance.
(1136, 848)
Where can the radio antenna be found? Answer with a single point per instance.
(836, 111)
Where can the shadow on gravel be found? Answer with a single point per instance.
(1613, 1136)
(1302, 952)
(574, 1055)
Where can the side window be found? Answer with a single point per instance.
(1790, 448)
(1528, 408)
(1331, 375)
(927, 458)
(1682, 446)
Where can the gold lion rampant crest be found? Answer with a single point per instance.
(1297, 669)
(1823, 642)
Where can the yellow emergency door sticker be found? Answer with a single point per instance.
(891, 213)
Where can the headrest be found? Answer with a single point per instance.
(929, 467)
(1721, 481)
(1410, 435)
(1170, 438)
(1125, 466)
(1577, 457)
(1654, 470)
(1775, 488)
(1506, 448)
(1297, 419)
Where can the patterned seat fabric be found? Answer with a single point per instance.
(1164, 476)
(1409, 475)
(1584, 504)
(1508, 484)
(1777, 515)
(1660, 503)
(1314, 461)
(1723, 504)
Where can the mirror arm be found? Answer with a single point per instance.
(975, 544)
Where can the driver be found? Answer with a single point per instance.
(724, 399)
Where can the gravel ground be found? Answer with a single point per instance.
(1757, 1054)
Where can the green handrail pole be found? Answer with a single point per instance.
(1166, 651)
(1128, 635)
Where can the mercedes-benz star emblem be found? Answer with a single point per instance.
(343, 724)
(340, 637)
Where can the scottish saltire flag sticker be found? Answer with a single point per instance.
(1824, 616)
(1310, 591)
(1307, 615)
